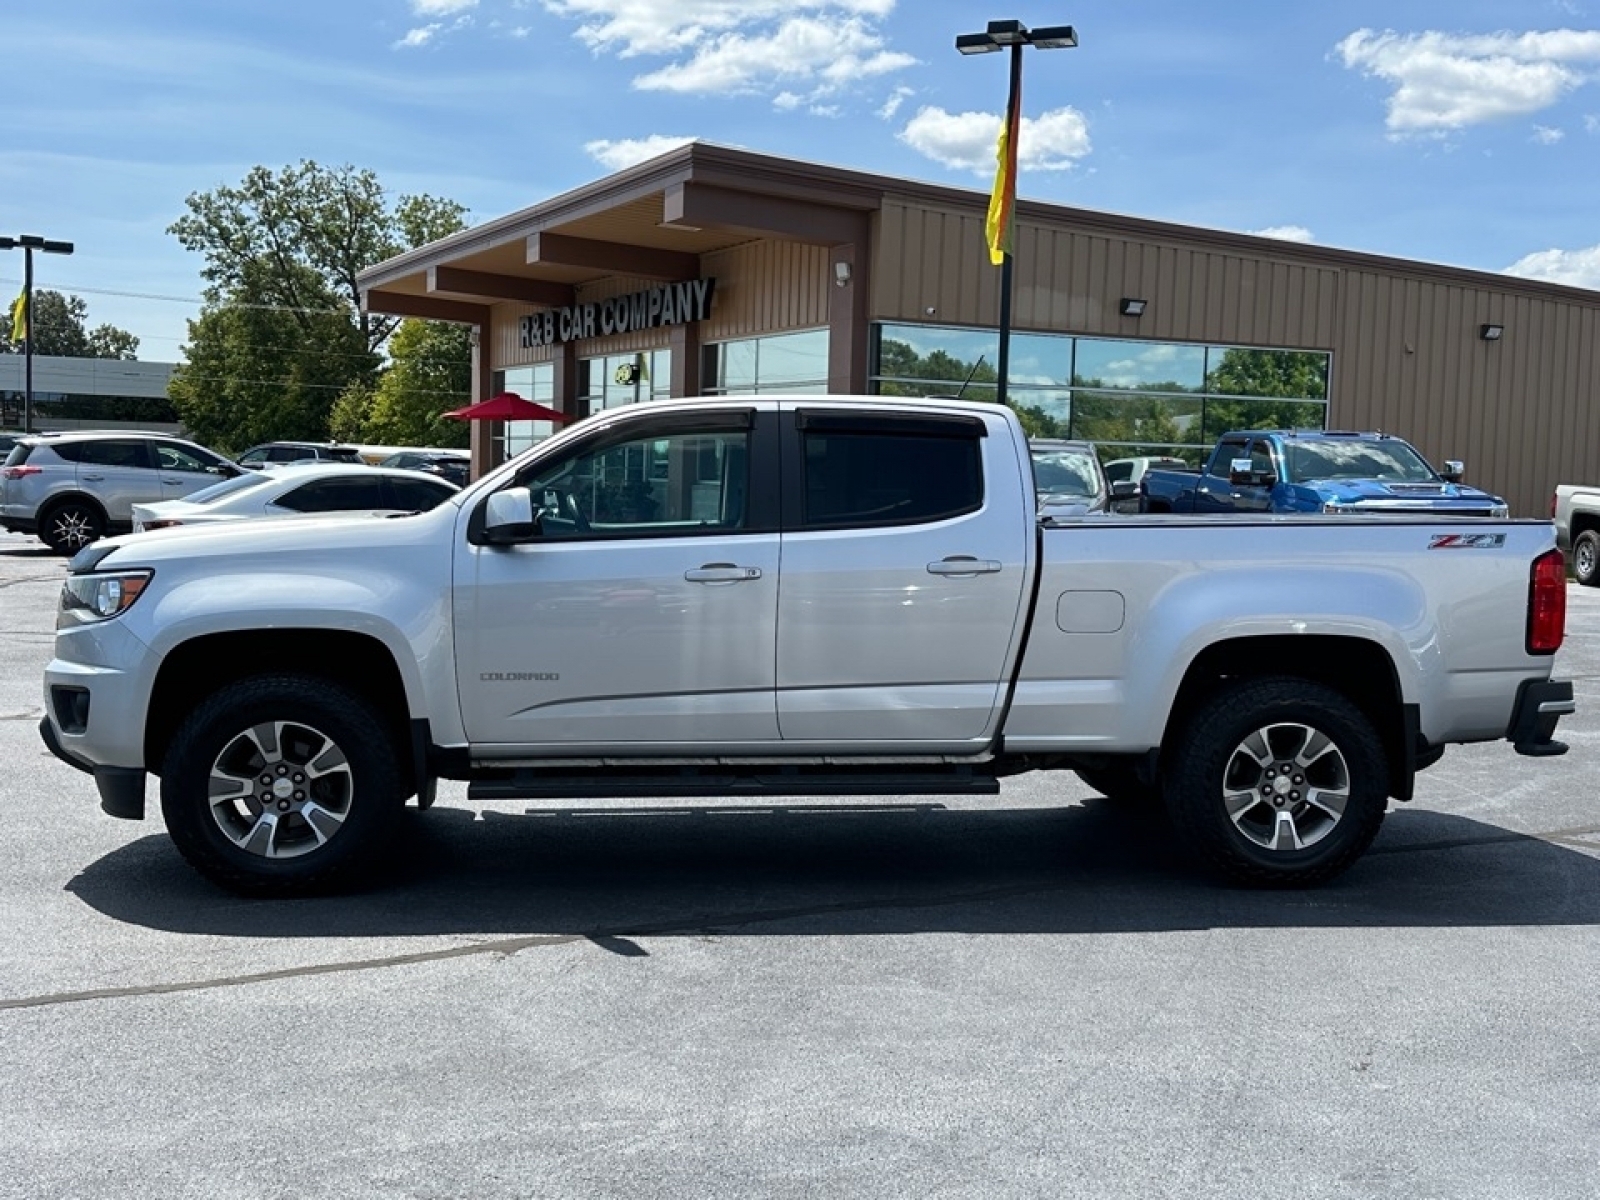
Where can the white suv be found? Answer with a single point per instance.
(72, 488)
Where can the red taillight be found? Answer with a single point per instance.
(22, 472)
(1547, 603)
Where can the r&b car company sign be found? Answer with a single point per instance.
(669, 304)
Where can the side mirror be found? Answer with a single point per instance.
(509, 518)
(1454, 469)
(1240, 473)
(1124, 489)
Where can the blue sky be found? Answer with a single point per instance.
(1459, 131)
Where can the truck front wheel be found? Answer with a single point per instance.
(1586, 558)
(281, 784)
(1278, 782)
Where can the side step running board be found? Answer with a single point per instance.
(671, 782)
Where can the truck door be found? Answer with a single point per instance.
(907, 546)
(1213, 493)
(643, 613)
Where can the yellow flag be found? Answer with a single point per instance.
(1003, 199)
(19, 318)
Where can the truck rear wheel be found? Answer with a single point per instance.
(1278, 782)
(281, 784)
(1586, 558)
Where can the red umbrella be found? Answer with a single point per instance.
(507, 406)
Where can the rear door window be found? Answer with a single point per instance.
(917, 471)
(335, 495)
(115, 453)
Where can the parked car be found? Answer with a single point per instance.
(268, 453)
(446, 464)
(1069, 480)
(284, 492)
(1575, 510)
(1316, 471)
(73, 488)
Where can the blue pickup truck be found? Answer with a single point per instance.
(1306, 471)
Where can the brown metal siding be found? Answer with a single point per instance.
(1073, 282)
(767, 287)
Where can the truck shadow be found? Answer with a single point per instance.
(801, 870)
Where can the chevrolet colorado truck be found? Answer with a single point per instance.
(770, 596)
(1575, 510)
(1315, 471)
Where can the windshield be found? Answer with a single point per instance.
(1066, 473)
(1390, 461)
(229, 487)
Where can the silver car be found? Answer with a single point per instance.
(74, 488)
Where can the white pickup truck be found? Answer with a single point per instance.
(813, 595)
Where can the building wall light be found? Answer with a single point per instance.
(842, 273)
(1132, 307)
(1491, 333)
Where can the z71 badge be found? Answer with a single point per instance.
(1466, 541)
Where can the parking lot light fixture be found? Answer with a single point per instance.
(1015, 35)
(22, 309)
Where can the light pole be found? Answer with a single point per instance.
(1001, 203)
(29, 243)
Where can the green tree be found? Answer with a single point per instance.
(429, 373)
(303, 234)
(282, 336)
(256, 373)
(58, 324)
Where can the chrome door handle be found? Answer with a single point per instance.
(957, 565)
(722, 573)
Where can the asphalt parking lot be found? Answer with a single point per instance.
(1025, 997)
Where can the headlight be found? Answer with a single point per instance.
(1500, 510)
(88, 598)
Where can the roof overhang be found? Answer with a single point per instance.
(652, 221)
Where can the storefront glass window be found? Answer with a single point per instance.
(536, 383)
(786, 362)
(1130, 397)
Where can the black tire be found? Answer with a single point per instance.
(320, 786)
(1121, 783)
(1257, 823)
(71, 525)
(1586, 558)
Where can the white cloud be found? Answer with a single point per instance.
(1580, 268)
(628, 151)
(1445, 82)
(632, 27)
(802, 48)
(893, 103)
(1287, 233)
(1546, 135)
(420, 36)
(1053, 141)
(441, 8)
(1591, 123)
(787, 101)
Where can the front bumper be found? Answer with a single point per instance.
(121, 788)
(1541, 703)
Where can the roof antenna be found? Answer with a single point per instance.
(968, 379)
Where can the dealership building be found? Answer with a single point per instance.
(712, 271)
